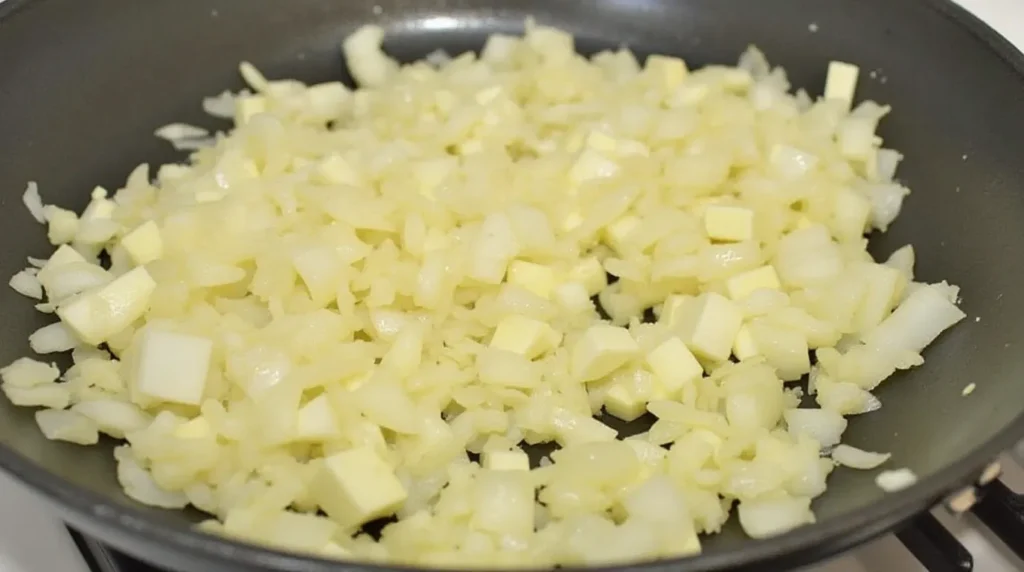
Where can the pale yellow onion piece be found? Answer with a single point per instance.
(27, 372)
(33, 202)
(857, 458)
(27, 284)
(895, 480)
(68, 426)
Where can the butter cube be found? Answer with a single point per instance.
(592, 165)
(357, 486)
(617, 233)
(674, 365)
(744, 284)
(729, 224)
(143, 244)
(316, 420)
(505, 460)
(601, 350)
(172, 367)
(744, 347)
(97, 315)
(708, 325)
(841, 82)
(534, 277)
(335, 170)
(620, 402)
(248, 107)
(667, 72)
(525, 336)
(591, 274)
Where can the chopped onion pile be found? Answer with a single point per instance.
(363, 304)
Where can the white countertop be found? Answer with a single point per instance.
(33, 540)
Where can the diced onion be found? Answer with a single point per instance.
(222, 105)
(67, 426)
(895, 480)
(52, 339)
(185, 137)
(27, 372)
(888, 161)
(886, 201)
(177, 131)
(26, 284)
(858, 459)
(34, 203)
(139, 485)
(115, 418)
(56, 396)
(916, 322)
(770, 517)
(823, 425)
(903, 260)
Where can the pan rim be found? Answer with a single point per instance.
(805, 544)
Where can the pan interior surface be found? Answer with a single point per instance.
(84, 84)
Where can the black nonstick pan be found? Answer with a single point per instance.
(83, 84)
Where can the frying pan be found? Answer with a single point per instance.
(83, 84)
